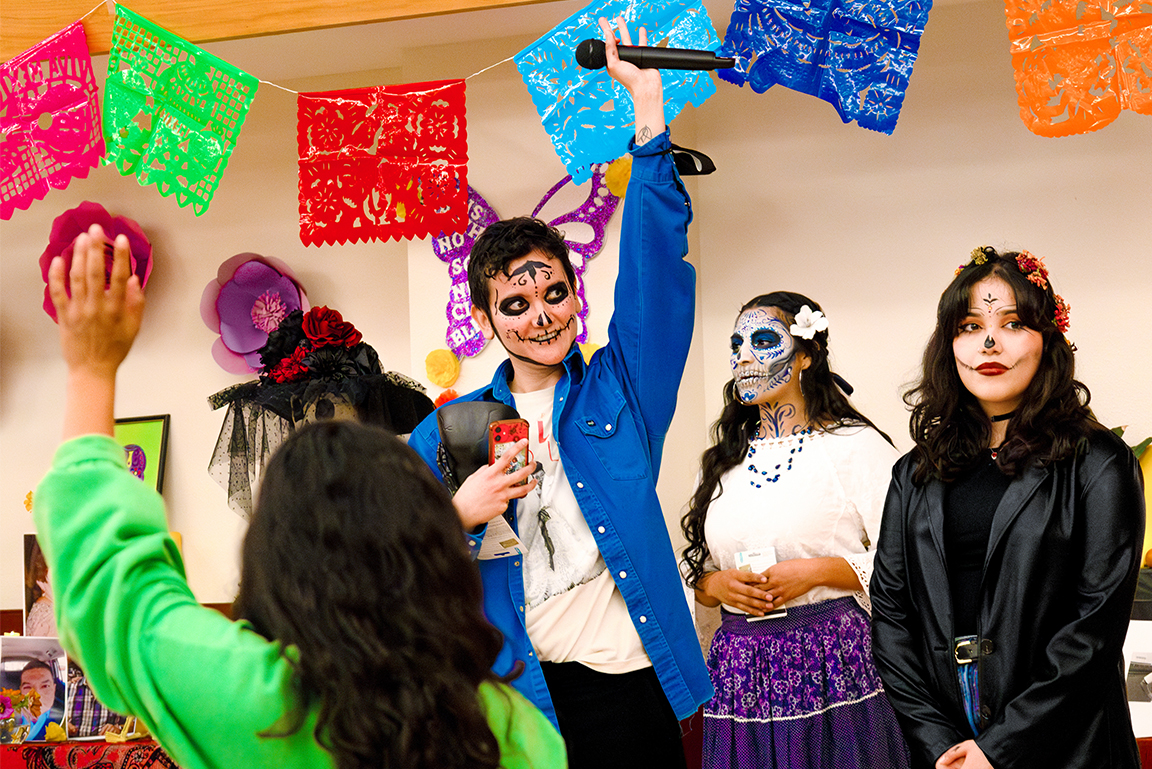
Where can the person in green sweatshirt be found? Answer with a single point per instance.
(359, 639)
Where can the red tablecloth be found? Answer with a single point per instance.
(85, 755)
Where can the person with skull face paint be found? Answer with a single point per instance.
(1011, 539)
(593, 611)
(795, 468)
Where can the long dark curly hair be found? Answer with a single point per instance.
(355, 557)
(948, 425)
(826, 403)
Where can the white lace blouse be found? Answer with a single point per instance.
(808, 496)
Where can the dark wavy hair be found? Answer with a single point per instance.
(505, 241)
(355, 557)
(828, 409)
(948, 425)
(37, 665)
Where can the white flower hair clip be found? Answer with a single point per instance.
(808, 323)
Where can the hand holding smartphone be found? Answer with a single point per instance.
(502, 436)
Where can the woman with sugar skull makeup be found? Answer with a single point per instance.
(1008, 558)
(798, 475)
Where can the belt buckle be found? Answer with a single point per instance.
(966, 651)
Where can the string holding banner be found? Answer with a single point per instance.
(172, 111)
(50, 119)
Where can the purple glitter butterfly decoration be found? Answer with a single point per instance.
(464, 337)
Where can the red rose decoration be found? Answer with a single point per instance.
(1062, 319)
(325, 327)
(290, 369)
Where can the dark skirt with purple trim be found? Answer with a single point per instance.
(800, 692)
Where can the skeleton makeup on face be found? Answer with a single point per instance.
(533, 310)
(763, 355)
(996, 354)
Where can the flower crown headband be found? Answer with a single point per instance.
(1033, 269)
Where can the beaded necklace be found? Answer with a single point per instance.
(761, 476)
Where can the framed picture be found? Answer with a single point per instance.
(35, 664)
(1139, 678)
(39, 619)
(145, 441)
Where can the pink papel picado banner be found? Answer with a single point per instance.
(49, 119)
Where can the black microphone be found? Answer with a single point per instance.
(590, 55)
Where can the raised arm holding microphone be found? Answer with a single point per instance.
(594, 609)
(592, 54)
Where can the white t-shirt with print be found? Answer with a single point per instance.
(574, 611)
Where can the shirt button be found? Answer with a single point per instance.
(600, 529)
(623, 574)
(515, 563)
(643, 619)
(521, 608)
(591, 423)
(607, 428)
(579, 485)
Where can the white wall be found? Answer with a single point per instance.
(871, 226)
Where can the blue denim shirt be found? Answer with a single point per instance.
(610, 418)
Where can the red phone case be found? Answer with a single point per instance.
(503, 433)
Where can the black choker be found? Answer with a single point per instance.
(1003, 417)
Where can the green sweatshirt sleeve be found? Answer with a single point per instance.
(527, 739)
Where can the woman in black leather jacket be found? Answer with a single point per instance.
(1010, 542)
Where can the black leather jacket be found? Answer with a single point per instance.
(1056, 594)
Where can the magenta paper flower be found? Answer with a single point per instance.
(249, 297)
(6, 709)
(76, 221)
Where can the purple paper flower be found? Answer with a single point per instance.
(76, 221)
(6, 708)
(249, 297)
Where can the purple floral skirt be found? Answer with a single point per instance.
(799, 692)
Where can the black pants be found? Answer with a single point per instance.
(614, 720)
